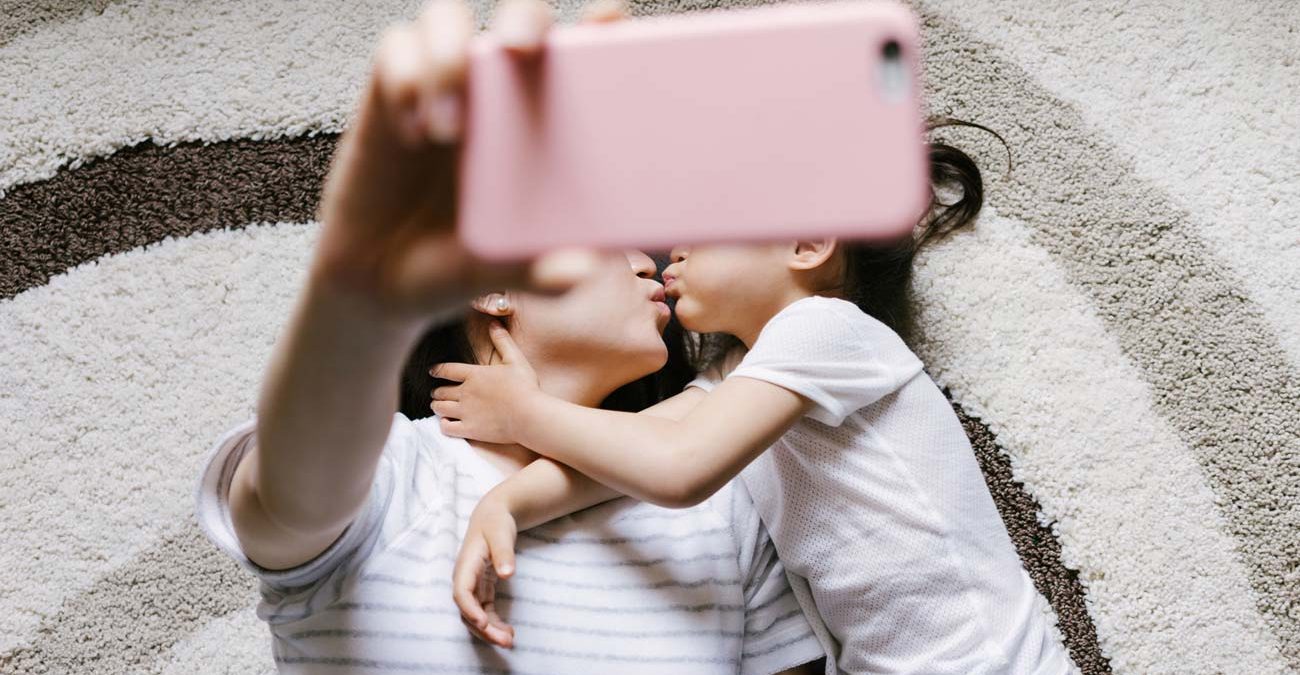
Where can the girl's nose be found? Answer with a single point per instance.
(642, 264)
(679, 253)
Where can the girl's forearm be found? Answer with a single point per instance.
(327, 405)
(545, 490)
(670, 462)
(637, 455)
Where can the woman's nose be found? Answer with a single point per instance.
(642, 264)
(679, 253)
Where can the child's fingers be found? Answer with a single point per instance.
(480, 633)
(505, 344)
(456, 372)
(453, 428)
(465, 578)
(501, 550)
(521, 25)
(446, 409)
(449, 393)
(498, 630)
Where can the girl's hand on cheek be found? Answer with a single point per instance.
(480, 407)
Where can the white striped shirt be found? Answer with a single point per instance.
(624, 587)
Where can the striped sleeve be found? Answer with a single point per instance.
(777, 634)
(297, 592)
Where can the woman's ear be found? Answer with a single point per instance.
(494, 304)
(812, 254)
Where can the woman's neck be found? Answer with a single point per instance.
(574, 383)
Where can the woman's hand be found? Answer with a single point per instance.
(480, 407)
(486, 554)
(388, 205)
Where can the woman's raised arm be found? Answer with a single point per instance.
(387, 262)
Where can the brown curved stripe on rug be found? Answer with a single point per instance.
(146, 193)
(103, 628)
(1037, 546)
(23, 16)
(1218, 373)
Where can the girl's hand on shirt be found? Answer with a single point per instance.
(486, 554)
(480, 407)
(388, 205)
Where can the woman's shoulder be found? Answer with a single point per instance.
(421, 436)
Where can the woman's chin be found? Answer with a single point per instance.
(650, 359)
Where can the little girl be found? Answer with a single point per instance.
(856, 462)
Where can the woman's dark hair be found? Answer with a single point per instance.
(449, 343)
(876, 277)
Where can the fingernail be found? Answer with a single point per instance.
(516, 35)
(444, 118)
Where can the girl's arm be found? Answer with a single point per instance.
(546, 489)
(540, 492)
(672, 463)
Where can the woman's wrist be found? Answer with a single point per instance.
(347, 291)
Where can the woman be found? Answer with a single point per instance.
(350, 514)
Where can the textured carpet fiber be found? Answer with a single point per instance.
(1120, 333)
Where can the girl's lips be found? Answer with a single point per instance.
(664, 310)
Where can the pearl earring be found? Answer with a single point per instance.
(502, 304)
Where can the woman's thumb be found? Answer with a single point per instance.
(558, 271)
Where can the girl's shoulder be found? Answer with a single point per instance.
(828, 316)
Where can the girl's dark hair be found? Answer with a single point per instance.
(877, 276)
(449, 343)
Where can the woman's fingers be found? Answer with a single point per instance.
(397, 72)
(521, 25)
(562, 269)
(600, 11)
(445, 27)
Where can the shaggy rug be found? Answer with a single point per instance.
(1120, 332)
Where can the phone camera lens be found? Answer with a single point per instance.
(892, 50)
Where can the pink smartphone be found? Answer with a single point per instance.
(779, 122)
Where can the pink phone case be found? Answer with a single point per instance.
(778, 122)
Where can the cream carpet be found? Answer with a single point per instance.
(1121, 332)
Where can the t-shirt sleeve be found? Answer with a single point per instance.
(297, 592)
(832, 354)
(711, 376)
(777, 634)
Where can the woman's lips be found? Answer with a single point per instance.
(657, 298)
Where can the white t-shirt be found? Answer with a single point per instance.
(879, 510)
(623, 587)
